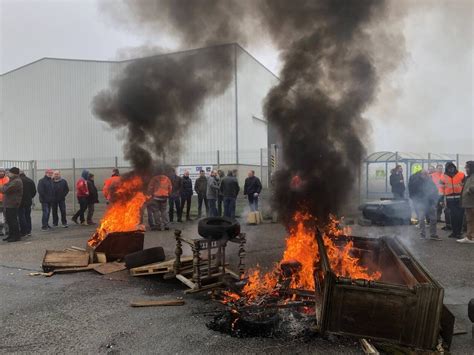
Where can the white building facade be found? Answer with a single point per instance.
(45, 114)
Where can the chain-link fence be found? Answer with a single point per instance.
(101, 167)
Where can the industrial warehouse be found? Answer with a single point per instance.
(244, 177)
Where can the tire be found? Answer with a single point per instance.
(144, 257)
(218, 227)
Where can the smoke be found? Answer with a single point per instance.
(328, 80)
(156, 98)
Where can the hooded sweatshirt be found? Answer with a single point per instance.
(467, 195)
(81, 186)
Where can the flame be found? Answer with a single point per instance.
(124, 213)
(301, 246)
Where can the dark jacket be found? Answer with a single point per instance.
(200, 186)
(93, 193)
(29, 191)
(13, 192)
(230, 187)
(212, 188)
(252, 185)
(177, 185)
(186, 187)
(60, 189)
(397, 183)
(45, 190)
(422, 189)
(467, 194)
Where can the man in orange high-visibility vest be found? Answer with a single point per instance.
(452, 183)
(160, 189)
(4, 179)
(436, 176)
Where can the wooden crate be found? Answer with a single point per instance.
(159, 268)
(404, 307)
(56, 259)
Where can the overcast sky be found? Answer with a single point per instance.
(427, 104)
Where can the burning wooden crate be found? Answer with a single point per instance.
(403, 306)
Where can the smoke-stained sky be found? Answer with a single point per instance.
(427, 105)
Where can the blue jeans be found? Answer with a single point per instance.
(62, 210)
(24, 217)
(212, 207)
(46, 207)
(229, 207)
(253, 202)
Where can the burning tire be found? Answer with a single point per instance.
(144, 257)
(218, 227)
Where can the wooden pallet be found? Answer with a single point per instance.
(159, 268)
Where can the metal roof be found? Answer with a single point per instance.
(383, 157)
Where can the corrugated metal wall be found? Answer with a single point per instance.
(45, 113)
(254, 81)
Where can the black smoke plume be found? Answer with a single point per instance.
(156, 98)
(327, 82)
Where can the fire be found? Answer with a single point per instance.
(124, 213)
(302, 247)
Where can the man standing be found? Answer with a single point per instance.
(13, 192)
(200, 186)
(60, 189)
(82, 193)
(212, 193)
(424, 195)
(160, 188)
(92, 199)
(252, 189)
(452, 183)
(175, 197)
(230, 189)
(436, 176)
(46, 197)
(220, 198)
(467, 202)
(186, 194)
(3, 181)
(109, 184)
(397, 183)
(24, 212)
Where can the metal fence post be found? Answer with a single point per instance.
(218, 159)
(429, 160)
(116, 162)
(74, 183)
(457, 161)
(261, 163)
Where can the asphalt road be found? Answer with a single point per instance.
(89, 313)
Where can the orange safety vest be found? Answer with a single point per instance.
(437, 177)
(160, 186)
(4, 180)
(452, 185)
(108, 183)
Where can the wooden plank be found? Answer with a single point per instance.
(101, 257)
(186, 281)
(156, 303)
(74, 269)
(204, 288)
(78, 248)
(55, 258)
(368, 348)
(108, 268)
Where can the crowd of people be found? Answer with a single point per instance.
(169, 194)
(436, 190)
(218, 194)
